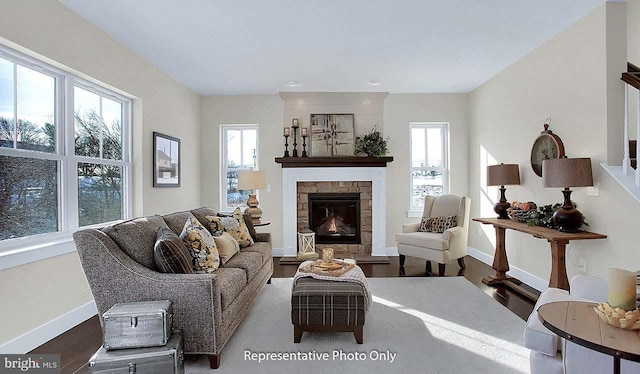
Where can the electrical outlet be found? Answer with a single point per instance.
(582, 265)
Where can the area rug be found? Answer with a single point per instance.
(415, 325)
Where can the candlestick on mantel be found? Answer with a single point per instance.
(622, 289)
(295, 139)
(294, 123)
(287, 131)
(303, 131)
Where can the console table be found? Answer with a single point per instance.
(577, 322)
(557, 240)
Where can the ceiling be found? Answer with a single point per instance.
(225, 47)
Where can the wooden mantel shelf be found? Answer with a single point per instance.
(342, 161)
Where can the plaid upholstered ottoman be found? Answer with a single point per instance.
(322, 305)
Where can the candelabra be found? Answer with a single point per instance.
(294, 153)
(304, 145)
(286, 145)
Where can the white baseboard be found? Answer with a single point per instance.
(277, 252)
(528, 278)
(38, 336)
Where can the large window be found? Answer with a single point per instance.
(429, 163)
(64, 151)
(239, 152)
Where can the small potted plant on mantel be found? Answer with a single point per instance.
(372, 144)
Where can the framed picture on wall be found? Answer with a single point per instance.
(332, 135)
(166, 160)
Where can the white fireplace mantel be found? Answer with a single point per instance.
(377, 177)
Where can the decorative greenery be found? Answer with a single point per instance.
(544, 216)
(373, 144)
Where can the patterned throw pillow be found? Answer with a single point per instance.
(201, 246)
(227, 246)
(170, 253)
(234, 225)
(438, 224)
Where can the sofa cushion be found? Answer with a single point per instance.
(437, 224)
(232, 281)
(201, 213)
(227, 246)
(137, 237)
(250, 262)
(170, 253)
(234, 225)
(430, 240)
(201, 245)
(176, 221)
(263, 248)
(536, 336)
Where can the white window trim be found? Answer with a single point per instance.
(415, 211)
(20, 251)
(223, 159)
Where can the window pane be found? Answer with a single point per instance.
(28, 197)
(417, 148)
(99, 193)
(112, 133)
(36, 110)
(249, 148)
(235, 197)
(87, 122)
(234, 148)
(7, 118)
(434, 147)
(425, 183)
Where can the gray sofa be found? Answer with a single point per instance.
(119, 265)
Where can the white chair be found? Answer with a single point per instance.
(551, 354)
(439, 247)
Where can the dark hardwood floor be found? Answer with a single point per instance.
(78, 344)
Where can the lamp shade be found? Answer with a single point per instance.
(567, 172)
(252, 180)
(503, 174)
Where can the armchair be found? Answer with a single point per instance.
(552, 355)
(433, 246)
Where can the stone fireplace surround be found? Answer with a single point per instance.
(375, 175)
(363, 188)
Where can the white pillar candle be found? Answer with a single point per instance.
(622, 289)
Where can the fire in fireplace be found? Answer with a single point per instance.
(335, 217)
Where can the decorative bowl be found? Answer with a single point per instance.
(619, 317)
(520, 215)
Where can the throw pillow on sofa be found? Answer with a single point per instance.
(234, 225)
(227, 246)
(438, 224)
(201, 245)
(170, 253)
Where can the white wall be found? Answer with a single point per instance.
(39, 292)
(264, 110)
(399, 111)
(273, 113)
(568, 79)
(633, 31)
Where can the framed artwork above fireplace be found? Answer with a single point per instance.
(332, 135)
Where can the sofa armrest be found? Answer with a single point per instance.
(116, 278)
(411, 227)
(263, 237)
(596, 289)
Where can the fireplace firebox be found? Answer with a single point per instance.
(335, 217)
